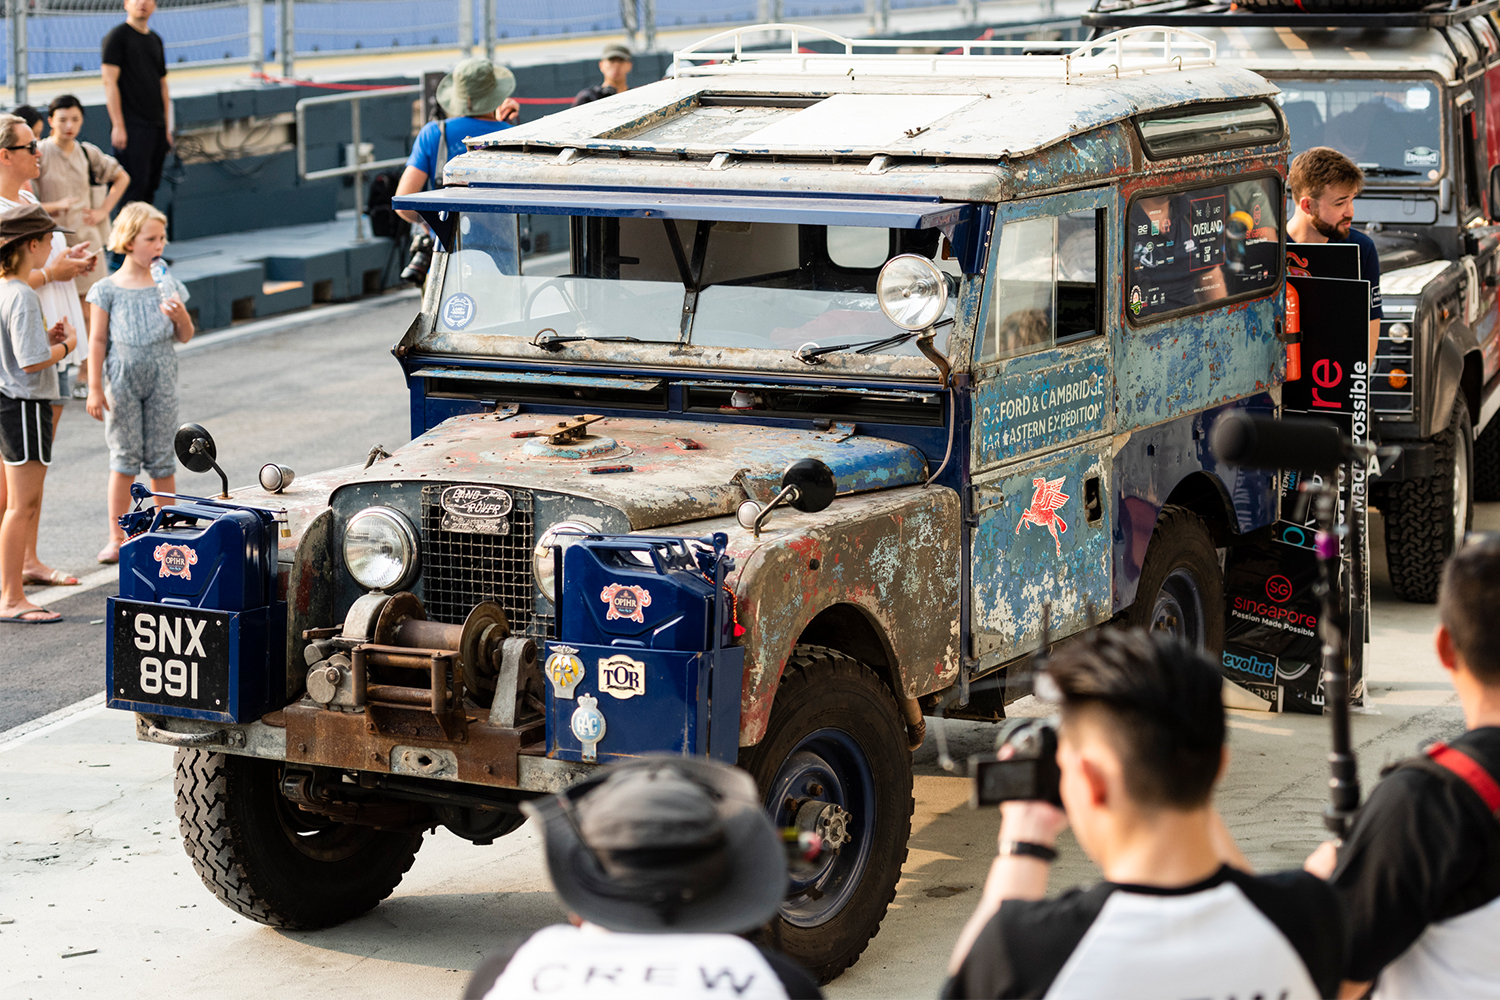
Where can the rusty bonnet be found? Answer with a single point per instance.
(26, 222)
(475, 87)
(664, 844)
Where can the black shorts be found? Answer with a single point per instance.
(25, 430)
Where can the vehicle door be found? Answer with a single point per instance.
(1043, 414)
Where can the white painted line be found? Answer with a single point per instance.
(51, 595)
(303, 317)
(51, 722)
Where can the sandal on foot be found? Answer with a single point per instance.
(21, 617)
(53, 578)
(110, 554)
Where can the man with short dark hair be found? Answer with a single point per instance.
(135, 93)
(615, 67)
(1420, 871)
(1324, 184)
(1140, 748)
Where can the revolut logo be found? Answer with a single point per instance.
(1252, 665)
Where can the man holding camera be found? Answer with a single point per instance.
(1140, 747)
(1420, 871)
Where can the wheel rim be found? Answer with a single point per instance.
(318, 837)
(1460, 491)
(1179, 608)
(826, 766)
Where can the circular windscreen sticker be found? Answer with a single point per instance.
(458, 311)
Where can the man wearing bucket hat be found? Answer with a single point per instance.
(663, 861)
(476, 98)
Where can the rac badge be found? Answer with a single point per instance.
(564, 669)
(176, 560)
(588, 725)
(622, 677)
(1045, 502)
(626, 602)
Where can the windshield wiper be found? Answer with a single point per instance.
(1390, 172)
(810, 352)
(554, 342)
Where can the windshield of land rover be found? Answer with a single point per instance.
(712, 284)
(1391, 128)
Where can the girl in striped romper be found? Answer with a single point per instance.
(132, 365)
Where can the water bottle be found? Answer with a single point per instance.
(164, 289)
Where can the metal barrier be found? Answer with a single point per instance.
(359, 167)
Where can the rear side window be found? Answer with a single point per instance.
(1195, 248)
(1200, 130)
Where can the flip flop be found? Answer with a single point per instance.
(21, 619)
(57, 578)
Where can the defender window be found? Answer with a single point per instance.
(1180, 133)
(1203, 246)
(1045, 288)
(1391, 128)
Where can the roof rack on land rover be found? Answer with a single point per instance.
(1284, 13)
(1132, 51)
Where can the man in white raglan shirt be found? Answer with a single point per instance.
(1420, 870)
(662, 861)
(1140, 747)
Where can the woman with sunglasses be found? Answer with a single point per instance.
(52, 282)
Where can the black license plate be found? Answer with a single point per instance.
(166, 655)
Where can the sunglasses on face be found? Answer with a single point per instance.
(30, 147)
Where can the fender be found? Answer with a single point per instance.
(1447, 376)
(894, 555)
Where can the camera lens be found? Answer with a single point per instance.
(416, 269)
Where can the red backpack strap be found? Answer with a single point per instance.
(1471, 771)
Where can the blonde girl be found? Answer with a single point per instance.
(132, 365)
(29, 354)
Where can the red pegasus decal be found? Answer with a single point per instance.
(1043, 510)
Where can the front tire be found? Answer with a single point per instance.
(1426, 519)
(1181, 589)
(836, 736)
(272, 862)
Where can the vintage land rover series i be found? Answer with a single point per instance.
(858, 359)
(1411, 92)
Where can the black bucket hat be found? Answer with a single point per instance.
(664, 844)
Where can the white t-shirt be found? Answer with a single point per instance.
(59, 298)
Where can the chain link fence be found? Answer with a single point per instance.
(58, 38)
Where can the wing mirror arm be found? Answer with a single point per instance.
(196, 450)
(807, 484)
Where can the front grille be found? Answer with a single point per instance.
(460, 568)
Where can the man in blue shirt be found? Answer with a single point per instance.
(1324, 184)
(476, 98)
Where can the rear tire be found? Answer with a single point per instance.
(1181, 590)
(272, 862)
(836, 735)
(1487, 463)
(1426, 519)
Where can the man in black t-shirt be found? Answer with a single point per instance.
(615, 68)
(135, 92)
(1140, 747)
(1420, 871)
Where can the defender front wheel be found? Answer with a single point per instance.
(1181, 590)
(835, 758)
(274, 863)
(1426, 519)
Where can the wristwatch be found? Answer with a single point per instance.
(1027, 849)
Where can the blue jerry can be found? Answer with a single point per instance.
(641, 663)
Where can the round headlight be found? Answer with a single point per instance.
(543, 568)
(1399, 333)
(912, 291)
(380, 549)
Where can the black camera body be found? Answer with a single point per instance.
(416, 269)
(1029, 774)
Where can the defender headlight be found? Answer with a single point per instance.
(543, 568)
(1399, 333)
(912, 291)
(380, 549)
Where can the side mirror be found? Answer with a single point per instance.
(195, 450)
(807, 484)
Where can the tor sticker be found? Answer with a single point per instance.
(588, 725)
(176, 560)
(458, 311)
(564, 669)
(1047, 499)
(626, 601)
(622, 677)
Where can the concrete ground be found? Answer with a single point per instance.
(98, 897)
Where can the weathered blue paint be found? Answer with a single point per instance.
(1034, 545)
(1154, 463)
(538, 378)
(1042, 400)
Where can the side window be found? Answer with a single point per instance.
(1473, 168)
(1045, 285)
(1200, 247)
